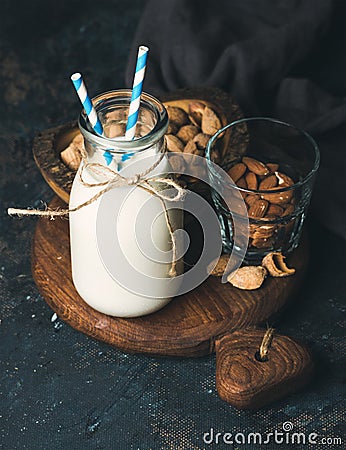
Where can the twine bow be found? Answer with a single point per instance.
(112, 180)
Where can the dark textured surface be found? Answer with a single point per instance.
(60, 389)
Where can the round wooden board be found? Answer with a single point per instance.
(187, 326)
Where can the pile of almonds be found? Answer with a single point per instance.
(252, 277)
(72, 155)
(250, 173)
(189, 132)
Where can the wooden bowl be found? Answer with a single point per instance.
(49, 144)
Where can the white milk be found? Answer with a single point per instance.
(145, 285)
(91, 277)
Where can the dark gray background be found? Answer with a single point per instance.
(60, 389)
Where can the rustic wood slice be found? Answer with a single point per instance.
(188, 326)
(248, 383)
(49, 144)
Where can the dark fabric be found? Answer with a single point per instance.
(273, 56)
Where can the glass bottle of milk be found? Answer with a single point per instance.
(121, 247)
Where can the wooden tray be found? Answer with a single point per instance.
(188, 326)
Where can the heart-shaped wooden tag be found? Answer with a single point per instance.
(255, 367)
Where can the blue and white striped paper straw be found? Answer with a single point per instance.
(136, 92)
(90, 111)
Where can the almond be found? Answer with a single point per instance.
(275, 264)
(191, 147)
(173, 128)
(117, 115)
(174, 144)
(210, 121)
(251, 199)
(248, 277)
(114, 129)
(201, 140)
(195, 119)
(241, 183)
(196, 107)
(78, 141)
(195, 113)
(237, 171)
(187, 132)
(274, 210)
(192, 160)
(284, 180)
(71, 156)
(278, 198)
(261, 243)
(258, 208)
(252, 229)
(264, 231)
(177, 115)
(268, 182)
(273, 167)
(255, 166)
(251, 181)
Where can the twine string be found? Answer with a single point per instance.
(112, 180)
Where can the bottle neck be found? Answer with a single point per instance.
(132, 160)
(111, 149)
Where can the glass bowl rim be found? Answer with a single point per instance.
(266, 119)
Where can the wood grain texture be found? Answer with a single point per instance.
(47, 147)
(187, 326)
(247, 383)
(50, 143)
